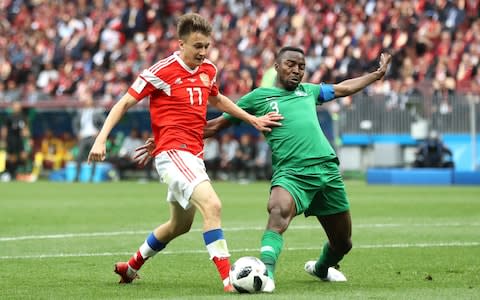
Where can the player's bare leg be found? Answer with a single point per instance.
(179, 223)
(281, 211)
(338, 228)
(208, 204)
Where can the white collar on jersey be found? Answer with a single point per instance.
(176, 54)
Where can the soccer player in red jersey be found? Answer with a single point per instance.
(179, 88)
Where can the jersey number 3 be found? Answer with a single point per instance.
(195, 91)
(274, 106)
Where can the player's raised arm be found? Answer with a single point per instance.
(98, 151)
(225, 104)
(351, 86)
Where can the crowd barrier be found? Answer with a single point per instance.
(102, 172)
(426, 176)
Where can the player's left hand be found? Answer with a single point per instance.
(385, 59)
(265, 122)
(143, 154)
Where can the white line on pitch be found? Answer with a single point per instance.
(378, 246)
(298, 227)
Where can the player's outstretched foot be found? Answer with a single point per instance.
(333, 274)
(269, 286)
(126, 276)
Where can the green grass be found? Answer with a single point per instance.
(60, 241)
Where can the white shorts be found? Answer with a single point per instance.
(182, 172)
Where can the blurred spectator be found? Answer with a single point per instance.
(263, 164)
(47, 79)
(211, 156)
(12, 135)
(13, 92)
(51, 155)
(244, 160)
(24, 172)
(432, 153)
(87, 125)
(70, 144)
(124, 160)
(228, 149)
(2, 92)
(134, 20)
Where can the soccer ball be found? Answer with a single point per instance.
(248, 275)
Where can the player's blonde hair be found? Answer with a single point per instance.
(192, 22)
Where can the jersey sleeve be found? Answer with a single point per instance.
(214, 88)
(145, 84)
(246, 103)
(213, 82)
(326, 93)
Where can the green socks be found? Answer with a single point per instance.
(272, 244)
(327, 259)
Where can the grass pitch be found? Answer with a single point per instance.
(60, 241)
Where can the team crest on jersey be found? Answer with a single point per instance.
(205, 79)
(300, 93)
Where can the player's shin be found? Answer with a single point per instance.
(328, 258)
(272, 244)
(218, 251)
(149, 248)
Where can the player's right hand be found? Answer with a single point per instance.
(97, 153)
(143, 154)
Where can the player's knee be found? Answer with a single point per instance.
(211, 210)
(214, 205)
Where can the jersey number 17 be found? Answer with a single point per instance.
(195, 91)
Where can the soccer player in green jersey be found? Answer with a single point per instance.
(306, 178)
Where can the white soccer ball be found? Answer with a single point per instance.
(248, 275)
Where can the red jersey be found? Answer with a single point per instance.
(178, 102)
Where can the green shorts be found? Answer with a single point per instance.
(317, 190)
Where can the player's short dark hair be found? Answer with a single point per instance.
(192, 22)
(288, 48)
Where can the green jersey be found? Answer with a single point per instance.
(300, 141)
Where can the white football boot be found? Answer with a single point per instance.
(333, 274)
(269, 286)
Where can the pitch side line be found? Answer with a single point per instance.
(378, 246)
(137, 232)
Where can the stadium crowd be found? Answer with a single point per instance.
(64, 53)
(69, 50)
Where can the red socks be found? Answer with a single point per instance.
(137, 261)
(223, 266)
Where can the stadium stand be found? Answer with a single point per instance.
(102, 44)
(98, 46)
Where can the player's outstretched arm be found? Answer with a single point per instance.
(215, 125)
(143, 154)
(98, 151)
(225, 104)
(351, 86)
